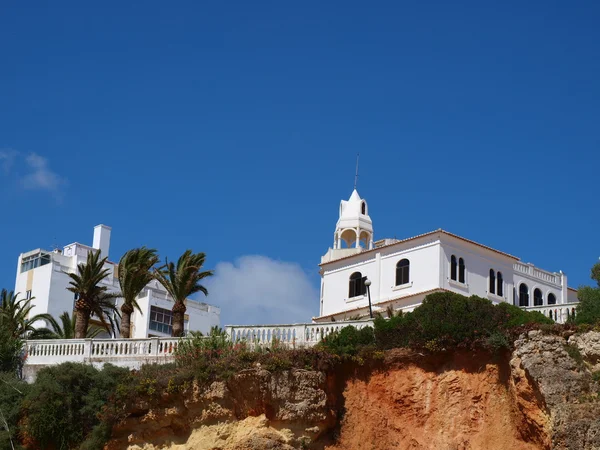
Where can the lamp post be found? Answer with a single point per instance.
(368, 285)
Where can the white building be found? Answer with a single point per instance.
(402, 272)
(42, 275)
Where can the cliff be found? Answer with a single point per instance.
(542, 395)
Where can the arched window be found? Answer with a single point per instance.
(500, 284)
(363, 208)
(402, 272)
(492, 281)
(453, 267)
(551, 299)
(523, 295)
(461, 270)
(357, 285)
(538, 299)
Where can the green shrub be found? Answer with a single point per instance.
(98, 437)
(348, 341)
(11, 353)
(446, 320)
(497, 341)
(513, 316)
(63, 405)
(588, 309)
(12, 393)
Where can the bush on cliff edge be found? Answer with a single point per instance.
(62, 406)
(446, 319)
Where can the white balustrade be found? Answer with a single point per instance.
(534, 272)
(297, 335)
(559, 312)
(133, 353)
(136, 351)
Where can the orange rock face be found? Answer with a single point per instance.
(467, 403)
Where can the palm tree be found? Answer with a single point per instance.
(64, 330)
(134, 274)
(181, 281)
(15, 314)
(91, 297)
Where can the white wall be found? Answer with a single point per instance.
(430, 259)
(478, 262)
(379, 266)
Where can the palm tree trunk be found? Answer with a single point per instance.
(81, 324)
(125, 325)
(178, 318)
(126, 312)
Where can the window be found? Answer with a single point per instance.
(538, 299)
(36, 260)
(357, 285)
(28, 294)
(161, 320)
(461, 270)
(453, 267)
(492, 281)
(551, 299)
(500, 282)
(363, 208)
(523, 295)
(402, 272)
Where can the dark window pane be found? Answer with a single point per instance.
(461, 270)
(523, 295)
(354, 287)
(453, 268)
(492, 281)
(402, 272)
(538, 299)
(500, 285)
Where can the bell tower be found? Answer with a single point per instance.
(354, 228)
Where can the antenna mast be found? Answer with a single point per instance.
(356, 176)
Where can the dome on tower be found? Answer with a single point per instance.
(354, 227)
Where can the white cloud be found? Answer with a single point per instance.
(40, 176)
(7, 159)
(259, 290)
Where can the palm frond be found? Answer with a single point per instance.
(135, 272)
(183, 279)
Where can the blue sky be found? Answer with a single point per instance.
(232, 128)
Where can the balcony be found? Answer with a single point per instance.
(539, 274)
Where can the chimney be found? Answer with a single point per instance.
(102, 239)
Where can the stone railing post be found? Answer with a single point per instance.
(154, 343)
(87, 350)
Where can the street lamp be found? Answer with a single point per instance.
(368, 285)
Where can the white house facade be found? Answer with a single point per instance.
(400, 273)
(42, 275)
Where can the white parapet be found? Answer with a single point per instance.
(559, 312)
(293, 336)
(133, 353)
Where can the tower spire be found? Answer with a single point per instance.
(356, 176)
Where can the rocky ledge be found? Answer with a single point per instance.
(543, 395)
